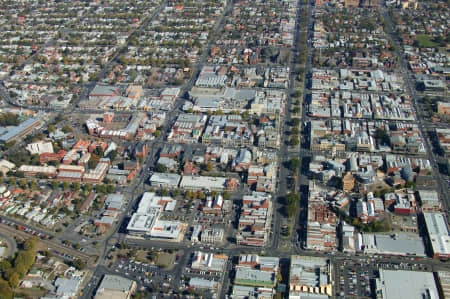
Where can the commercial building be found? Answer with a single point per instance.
(145, 221)
(67, 287)
(429, 200)
(443, 108)
(208, 262)
(201, 283)
(20, 131)
(31, 170)
(244, 292)
(438, 236)
(254, 277)
(310, 275)
(212, 235)
(115, 287)
(39, 147)
(257, 271)
(255, 219)
(103, 91)
(164, 229)
(321, 225)
(203, 183)
(114, 202)
(397, 244)
(406, 284)
(165, 180)
(444, 281)
(6, 166)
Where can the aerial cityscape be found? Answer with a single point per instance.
(268, 149)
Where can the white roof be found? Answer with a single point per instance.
(6, 164)
(42, 169)
(436, 223)
(438, 232)
(408, 284)
(40, 147)
(166, 229)
(165, 178)
(203, 182)
(141, 223)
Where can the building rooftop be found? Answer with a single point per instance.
(203, 261)
(203, 182)
(197, 282)
(171, 179)
(407, 284)
(103, 90)
(397, 244)
(67, 287)
(118, 283)
(247, 276)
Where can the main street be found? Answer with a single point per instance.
(442, 186)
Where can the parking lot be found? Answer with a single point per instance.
(355, 279)
(145, 274)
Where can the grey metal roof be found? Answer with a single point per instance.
(408, 284)
(16, 130)
(112, 282)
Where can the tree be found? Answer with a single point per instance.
(296, 93)
(9, 145)
(21, 270)
(88, 187)
(201, 195)
(14, 280)
(5, 290)
(290, 210)
(76, 186)
(160, 167)
(12, 181)
(291, 198)
(66, 129)
(55, 185)
(110, 188)
(294, 141)
(381, 135)
(65, 186)
(23, 183)
(5, 265)
(100, 188)
(99, 151)
(51, 128)
(295, 122)
(30, 244)
(113, 155)
(33, 184)
(294, 164)
(93, 161)
(79, 264)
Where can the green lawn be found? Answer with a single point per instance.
(426, 41)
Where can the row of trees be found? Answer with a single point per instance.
(105, 188)
(290, 204)
(15, 268)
